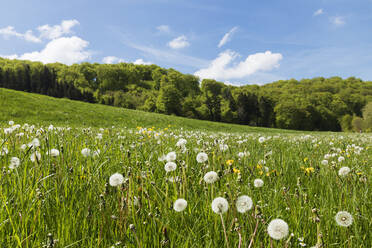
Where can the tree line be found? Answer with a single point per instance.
(324, 104)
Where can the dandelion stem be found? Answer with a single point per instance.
(224, 231)
(254, 234)
(240, 239)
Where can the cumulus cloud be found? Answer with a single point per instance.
(142, 62)
(56, 31)
(227, 37)
(222, 67)
(10, 31)
(112, 60)
(67, 50)
(337, 20)
(179, 42)
(163, 28)
(318, 12)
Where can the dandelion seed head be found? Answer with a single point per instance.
(343, 171)
(34, 143)
(171, 156)
(179, 205)
(14, 163)
(344, 218)
(324, 162)
(244, 203)
(181, 142)
(258, 183)
(54, 153)
(201, 157)
(210, 177)
(170, 166)
(277, 229)
(220, 205)
(86, 152)
(116, 179)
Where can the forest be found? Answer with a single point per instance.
(321, 104)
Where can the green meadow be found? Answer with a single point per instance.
(86, 175)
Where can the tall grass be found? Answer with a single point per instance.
(66, 201)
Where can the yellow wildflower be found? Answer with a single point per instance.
(229, 162)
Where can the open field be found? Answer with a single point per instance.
(65, 198)
(59, 186)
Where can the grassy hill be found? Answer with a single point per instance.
(39, 109)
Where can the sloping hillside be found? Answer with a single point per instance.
(34, 108)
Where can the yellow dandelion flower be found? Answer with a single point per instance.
(236, 171)
(229, 162)
(305, 159)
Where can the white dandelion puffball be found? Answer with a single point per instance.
(180, 205)
(116, 179)
(23, 147)
(11, 123)
(35, 156)
(210, 177)
(14, 163)
(220, 205)
(170, 166)
(344, 219)
(54, 153)
(343, 171)
(277, 229)
(86, 152)
(244, 203)
(324, 162)
(201, 157)
(258, 183)
(181, 142)
(261, 139)
(340, 159)
(171, 157)
(34, 143)
(223, 147)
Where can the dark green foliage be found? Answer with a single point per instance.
(310, 104)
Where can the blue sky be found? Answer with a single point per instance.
(240, 42)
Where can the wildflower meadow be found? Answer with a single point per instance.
(168, 187)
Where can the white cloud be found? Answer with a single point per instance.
(112, 60)
(57, 31)
(12, 56)
(179, 42)
(318, 12)
(171, 57)
(142, 62)
(227, 37)
(67, 50)
(115, 60)
(10, 31)
(163, 28)
(221, 68)
(337, 20)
